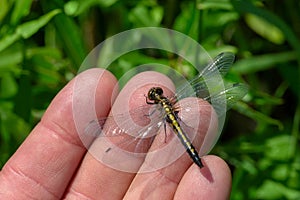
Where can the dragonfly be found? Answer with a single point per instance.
(206, 85)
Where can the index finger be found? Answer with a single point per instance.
(44, 164)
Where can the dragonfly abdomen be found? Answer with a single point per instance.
(188, 146)
(184, 140)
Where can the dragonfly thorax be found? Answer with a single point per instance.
(155, 94)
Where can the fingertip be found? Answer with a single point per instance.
(215, 169)
(213, 181)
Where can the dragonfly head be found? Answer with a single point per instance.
(154, 93)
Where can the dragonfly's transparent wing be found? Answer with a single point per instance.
(233, 92)
(222, 98)
(122, 141)
(128, 131)
(197, 86)
(222, 63)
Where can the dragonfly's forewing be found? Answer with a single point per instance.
(223, 94)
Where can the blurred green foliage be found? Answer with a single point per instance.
(42, 44)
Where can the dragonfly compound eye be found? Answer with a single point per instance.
(151, 93)
(154, 93)
(159, 91)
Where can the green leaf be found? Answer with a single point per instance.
(4, 6)
(21, 9)
(8, 85)
(256, 115)
(214, 4)
(12, 125)
(280, 172)
(11, 56)
(71, 38)
(277, 148)
(265, 29)
(72, 8)
(75, 8)
(29, 28)
(106, 3)
(143, 16)
(275, 190)
(47, 71)
(262, 62)
(8, 40)
(50, 52)
(246, 6)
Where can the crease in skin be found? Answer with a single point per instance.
(162, 174)
(26, 179)
(151, 187)
(72, 193)
(34, 183)
(61, 132)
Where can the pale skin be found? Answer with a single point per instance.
(52, 163)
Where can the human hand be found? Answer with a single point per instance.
(52, 163)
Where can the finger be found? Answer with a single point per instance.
(44, 164)
(213, 182)
(105, 174)
(163, 182)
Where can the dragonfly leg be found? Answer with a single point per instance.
(149, 102)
